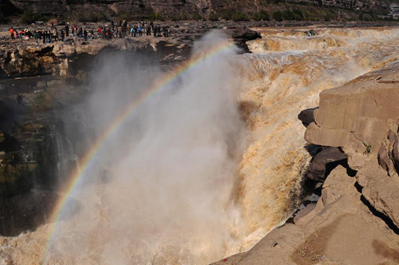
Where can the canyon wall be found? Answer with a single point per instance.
(185, 9)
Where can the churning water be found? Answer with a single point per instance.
(210, 161)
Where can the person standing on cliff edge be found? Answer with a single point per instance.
(36, 36)
(12, 32)
(62, 33)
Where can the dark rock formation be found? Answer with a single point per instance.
(137, 8)
(324, 162)
(307, 116)
(6, 9)
(242, 35)
(176, 9)
(30, 148)
(25, 211)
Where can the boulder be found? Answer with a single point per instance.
(307, 116)
(323, 162)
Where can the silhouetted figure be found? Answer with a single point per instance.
(148, 30)
(165, 32)
(12, 33)
(48, 36)
(85, 34)
(62, 35)
(135, 31)
(36, 36)
(159, 31)
(67, 30)
(140, 31)
(55, 34)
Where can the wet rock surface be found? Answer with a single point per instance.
(25, 211)
(28, 166)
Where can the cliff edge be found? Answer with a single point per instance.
(356, 218)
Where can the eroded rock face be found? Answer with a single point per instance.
(356, 116)
(184, 9)
(28, 166)
(361, 117)
(140, 8)
(356, 220)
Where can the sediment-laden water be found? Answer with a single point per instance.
(204, 165)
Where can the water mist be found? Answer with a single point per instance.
(161, 188)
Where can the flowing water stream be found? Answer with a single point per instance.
(208, 162)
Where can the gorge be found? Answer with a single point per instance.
(201, 156)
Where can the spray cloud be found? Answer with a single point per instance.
(161, 192)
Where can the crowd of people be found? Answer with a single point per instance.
(121, 30)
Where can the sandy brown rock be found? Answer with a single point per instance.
(341, 230)
(381, 191)
(384, 160)
(356, 116)
(361, 118)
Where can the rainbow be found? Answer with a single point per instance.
(89, 157)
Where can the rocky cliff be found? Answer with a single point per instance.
(73, 57)
(190, 9)
(356, 218)
(28, 165)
